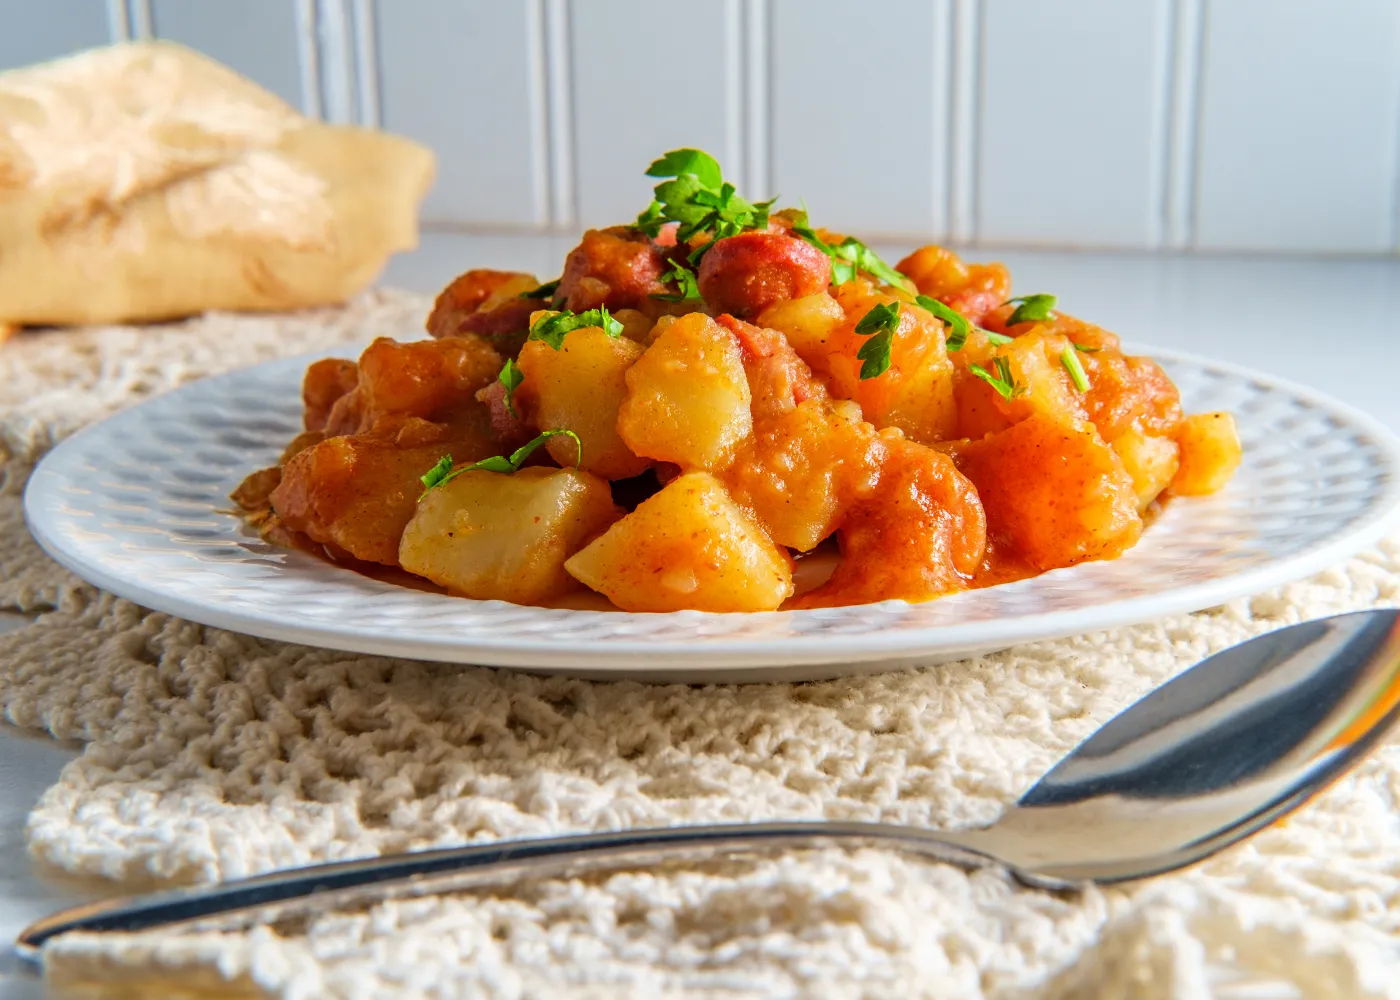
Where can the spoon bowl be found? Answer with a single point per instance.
(1224, 749)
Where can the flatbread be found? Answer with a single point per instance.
(143, 182)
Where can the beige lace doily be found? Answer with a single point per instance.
(213, 755)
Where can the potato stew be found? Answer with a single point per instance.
(711, 394)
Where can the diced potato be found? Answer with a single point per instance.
(1056, 491)
(807, 323)
(635, 325)
(915, 393)
(687, 396)
(1150, 461)
(435, 380)
(921, 535)
(356, 492)
(688, 546)
(1036, 368)
(1210, 454)
(580, 388)
(505, 538)
(252, 494)
(800, 471)
(509, 291)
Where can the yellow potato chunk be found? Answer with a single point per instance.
(688, 546)
(801, 471)
(1054, 490)
(687, 396)
(505, 538)
(1210, 454)
(808, 324)
(580, 388)
(1150, 461)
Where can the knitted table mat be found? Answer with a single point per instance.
(212, 755)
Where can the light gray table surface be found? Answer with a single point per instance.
(1328, 323)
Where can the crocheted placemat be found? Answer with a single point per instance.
(214, 755)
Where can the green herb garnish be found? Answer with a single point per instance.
(879, 324)
(545, 291)
(443, 472)
(510, 377)
(997, 339)
(551, 329)
(699, 200)
(688, 290)
(1069, 357)
(958, 326)
(1087, 350)
(1031, 309)
(437, 475)
(1002, 381)
(849, 257)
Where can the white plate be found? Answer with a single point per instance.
(138, 505)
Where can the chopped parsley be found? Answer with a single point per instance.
(879, 324)
(545, 291)
(1069, 357)
(1002, 381)
(1031, 308)
(551, 329)
(958, 326)
(510, 377)
(699, 200)
(443, 473)
(849, 257)
(687, 289)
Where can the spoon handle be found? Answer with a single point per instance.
(299, 890)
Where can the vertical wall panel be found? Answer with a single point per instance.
(650, 75)
(1073, 121)
(258, 38)
(464, 78)
(32, 32)
(1298, 130)
(860, 106)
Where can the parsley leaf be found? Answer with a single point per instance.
(958, 326)
(699, 200)
(881, 321)
(849, 257)
(443, 473)
(687, 289)
(510, 377)
(1069, 357)
(1031, 308)
(551, 329)
(702, 165)
(545, 291)
(1002, 381)
(884, 316)
(437, 474)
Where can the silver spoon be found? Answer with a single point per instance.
(1238, 741)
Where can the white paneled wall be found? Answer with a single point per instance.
(1147, 124)
(1302, 101)
(862, 145)
(650, 75)
(1074, 125)
(466, 78)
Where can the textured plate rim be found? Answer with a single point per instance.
(628, 655)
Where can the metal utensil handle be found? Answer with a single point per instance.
(279, 894)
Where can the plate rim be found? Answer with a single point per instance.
(662, 657)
